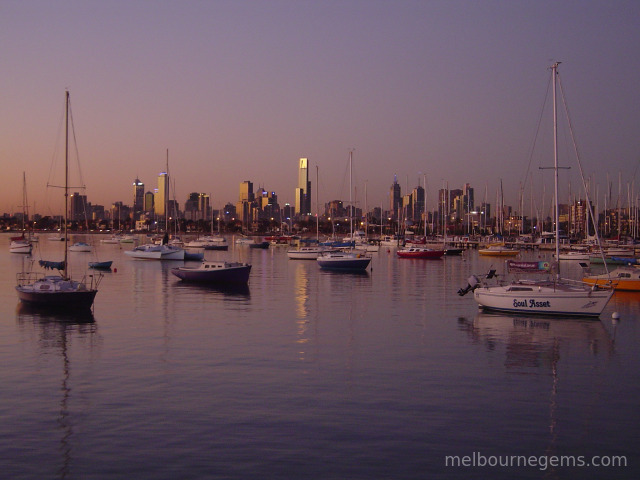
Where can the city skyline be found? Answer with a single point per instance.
(447, 91)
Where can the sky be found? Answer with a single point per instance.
(448, 92)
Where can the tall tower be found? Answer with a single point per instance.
(138, 198)
(395, 198)
(303, 189)
(163, 193)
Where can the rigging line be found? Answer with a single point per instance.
(75, 145)
(535, 137)
(584, 184)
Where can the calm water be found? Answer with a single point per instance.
(308, 374)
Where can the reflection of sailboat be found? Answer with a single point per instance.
(59, 291)
(551, 347)
(55, 334)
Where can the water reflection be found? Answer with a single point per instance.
(228, 291)
(534, 341)
(55, 333)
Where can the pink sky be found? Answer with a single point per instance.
(239, 90)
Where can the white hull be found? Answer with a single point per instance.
(304, 253)
(20, 247)
(543, 298)
(156, 252)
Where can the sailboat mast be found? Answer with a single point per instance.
(350, 191)
(66, 181)
(554, 71)
(317, 209)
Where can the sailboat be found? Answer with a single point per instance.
(554, 296)
(22, 244)
(345, 259)
(59, 292)
(164, 251)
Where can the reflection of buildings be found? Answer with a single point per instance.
(301, 293)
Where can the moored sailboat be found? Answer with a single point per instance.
(345, 259)
(551, 296)
(59, 292)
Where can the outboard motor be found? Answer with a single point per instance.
(472, 283)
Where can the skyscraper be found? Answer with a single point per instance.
(303, 190)
(138, 199)
(395, 199)
(163, 193)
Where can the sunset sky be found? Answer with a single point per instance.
(239, 90)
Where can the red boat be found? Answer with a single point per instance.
(419, 252)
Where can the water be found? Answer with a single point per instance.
(308, 374)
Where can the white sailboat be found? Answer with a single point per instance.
(164, 251)
(59, 292)
(345, 259)
(23, 243)
(554, 296)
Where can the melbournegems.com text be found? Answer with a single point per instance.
(541, 462)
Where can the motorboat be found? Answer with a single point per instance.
(419, 252)
(80, 247)
(215, 272)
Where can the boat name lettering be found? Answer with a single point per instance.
(530, 303)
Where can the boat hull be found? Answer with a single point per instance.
(20, 247)
(543, 300)
(73, 299)
(156, 252)
(420, 253)
(101, 265)
(229, 275)
(346, 261)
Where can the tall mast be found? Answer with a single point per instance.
(66, 180)
(554, 72)
(317, 209)
(350, 189)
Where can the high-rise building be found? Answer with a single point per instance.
(148, 202)
(138, 199)
(78, 207)
(303, 189)
(162, 196)
(395, 199)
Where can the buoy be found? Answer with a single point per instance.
(615, 316)
(115, 270)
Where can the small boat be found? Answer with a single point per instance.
(573, 255)
(209, 242)
(340, 260)
(499, 250)
(20, 246)
(244, 241)
(304, 253)
(151, 251)
(626, 278)
(264, 244)
(215, 272)
(452, 251)
(80, 247)
(101, 265)
(56, 238)
(419, 252)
